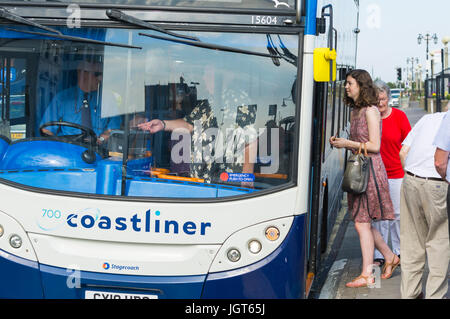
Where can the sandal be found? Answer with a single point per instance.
(393, 266)
(354, 284)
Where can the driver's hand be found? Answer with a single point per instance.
(103, 137)
(153, 126)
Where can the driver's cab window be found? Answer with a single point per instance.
(188, 122)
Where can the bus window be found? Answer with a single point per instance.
(86, 104)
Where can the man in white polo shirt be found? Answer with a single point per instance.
(423, 213)
(442, 155)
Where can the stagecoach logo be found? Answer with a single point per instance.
(108, 266)
(279, 3)
(92, 219)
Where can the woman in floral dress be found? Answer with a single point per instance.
(240, 138)
(375, 204)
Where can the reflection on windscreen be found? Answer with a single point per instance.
(190, 122)
(256, 4)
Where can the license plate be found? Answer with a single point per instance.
(94, 294)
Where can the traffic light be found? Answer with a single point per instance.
(399, 74)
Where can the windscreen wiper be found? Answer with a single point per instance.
(7, 15)
(120, 16)
(210, 46)
(188, 40)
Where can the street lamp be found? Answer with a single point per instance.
(419, 76)
(412, 60)
(427, 38)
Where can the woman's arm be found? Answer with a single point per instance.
(157, 125)
(178, 123)
(373, 122)
(373, 145)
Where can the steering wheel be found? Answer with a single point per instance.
(87, 135)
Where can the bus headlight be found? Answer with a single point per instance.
(251, 244)
(15, 241)
(234, 255)
(254, 246)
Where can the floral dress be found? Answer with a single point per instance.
(208, 158)
(372, 205)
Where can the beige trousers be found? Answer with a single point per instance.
(424, 235)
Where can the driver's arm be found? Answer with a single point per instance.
(110, 124)
(47, 132)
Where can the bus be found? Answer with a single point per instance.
(235, 194)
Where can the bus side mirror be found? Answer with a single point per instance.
(322, 59)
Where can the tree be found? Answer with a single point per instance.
(391, 85)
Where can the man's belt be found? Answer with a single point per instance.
(427, 178)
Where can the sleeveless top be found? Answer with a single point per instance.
(373, 205)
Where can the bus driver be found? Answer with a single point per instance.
(81, 105)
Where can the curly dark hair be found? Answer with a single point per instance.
(368, 93)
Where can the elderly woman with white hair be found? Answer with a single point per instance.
(395, 128)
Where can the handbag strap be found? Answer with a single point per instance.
(365, 149)
(361, 147)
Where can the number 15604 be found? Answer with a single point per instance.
(264, 20)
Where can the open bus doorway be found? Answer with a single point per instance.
(14, 96)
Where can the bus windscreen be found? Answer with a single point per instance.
(155, 118)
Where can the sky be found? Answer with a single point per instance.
(389, 31)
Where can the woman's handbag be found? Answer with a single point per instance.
(356, 175)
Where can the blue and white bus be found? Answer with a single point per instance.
(238, 205)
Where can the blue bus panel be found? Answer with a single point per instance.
(272, 277)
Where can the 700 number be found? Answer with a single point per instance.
(50, 213)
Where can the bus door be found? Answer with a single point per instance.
(14, 98)
(324, 89)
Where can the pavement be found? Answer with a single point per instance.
(343, 257)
